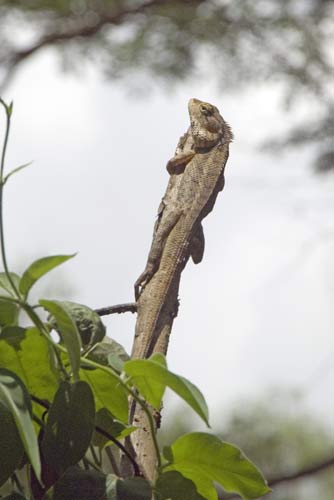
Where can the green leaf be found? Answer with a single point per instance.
(115, 363)
(133, 488)
(84, 485)
(108, 392)
(109, 352)
(87, 321)
(10, 445)
(151, 378)
(69, 426)
(15, 170)
(38, 268)
(204, 459)
(106, 422)
(160, 358)
(13, 335)
(9, 313)
(27, 353)
(6, 285)
(172, 485)
(15, 397)
(69, 332)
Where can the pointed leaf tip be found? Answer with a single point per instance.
(38, 268)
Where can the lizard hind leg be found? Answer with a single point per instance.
(197, 245)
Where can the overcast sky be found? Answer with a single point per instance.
(258, 312)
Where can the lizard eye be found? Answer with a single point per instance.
(206, 109)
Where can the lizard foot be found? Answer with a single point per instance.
(142, 281)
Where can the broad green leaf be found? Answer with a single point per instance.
(10, 445)
(69, 426)
(69, 332)
(9, 313)
(15, 397)
(27, 353)
(5, 283)
(109, 352)
(38, 268)
(87, 321)
(115, 363)
(204, 459)
(84, 485)
(106, 422)
(172, 485)
(108, 392)
(151, 378)
(133, 488)
(158, 357)
(13, 335)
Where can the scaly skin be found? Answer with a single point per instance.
(200, 159)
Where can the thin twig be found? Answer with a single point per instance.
(136, 468)
(83, 31)
(117, 309)
(313, 469)
(112, 461)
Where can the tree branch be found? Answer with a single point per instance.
(300, 474)
(117, 309)
(82, 31)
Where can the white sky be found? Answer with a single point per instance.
(258, 311)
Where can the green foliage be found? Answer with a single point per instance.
(111, 427)
(205, 459)
(68, 330)
(92, 484)
(88, 323)
(151, 378)
(173, 485)
(15, 397)
(11, 444)
(64, 406)
(69, 427)
(9, 313)
(5, 283)
(37, 269)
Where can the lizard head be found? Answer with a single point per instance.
(207, 125)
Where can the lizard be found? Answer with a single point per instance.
(197, 176)
(175, 167)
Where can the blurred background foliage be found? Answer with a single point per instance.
(232, 42)
(279, 435)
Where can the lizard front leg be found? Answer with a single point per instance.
(177, 164)
(168, 215)
(166, 224)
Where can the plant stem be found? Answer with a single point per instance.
(2, 166)
(135, 396)
(112, 461)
